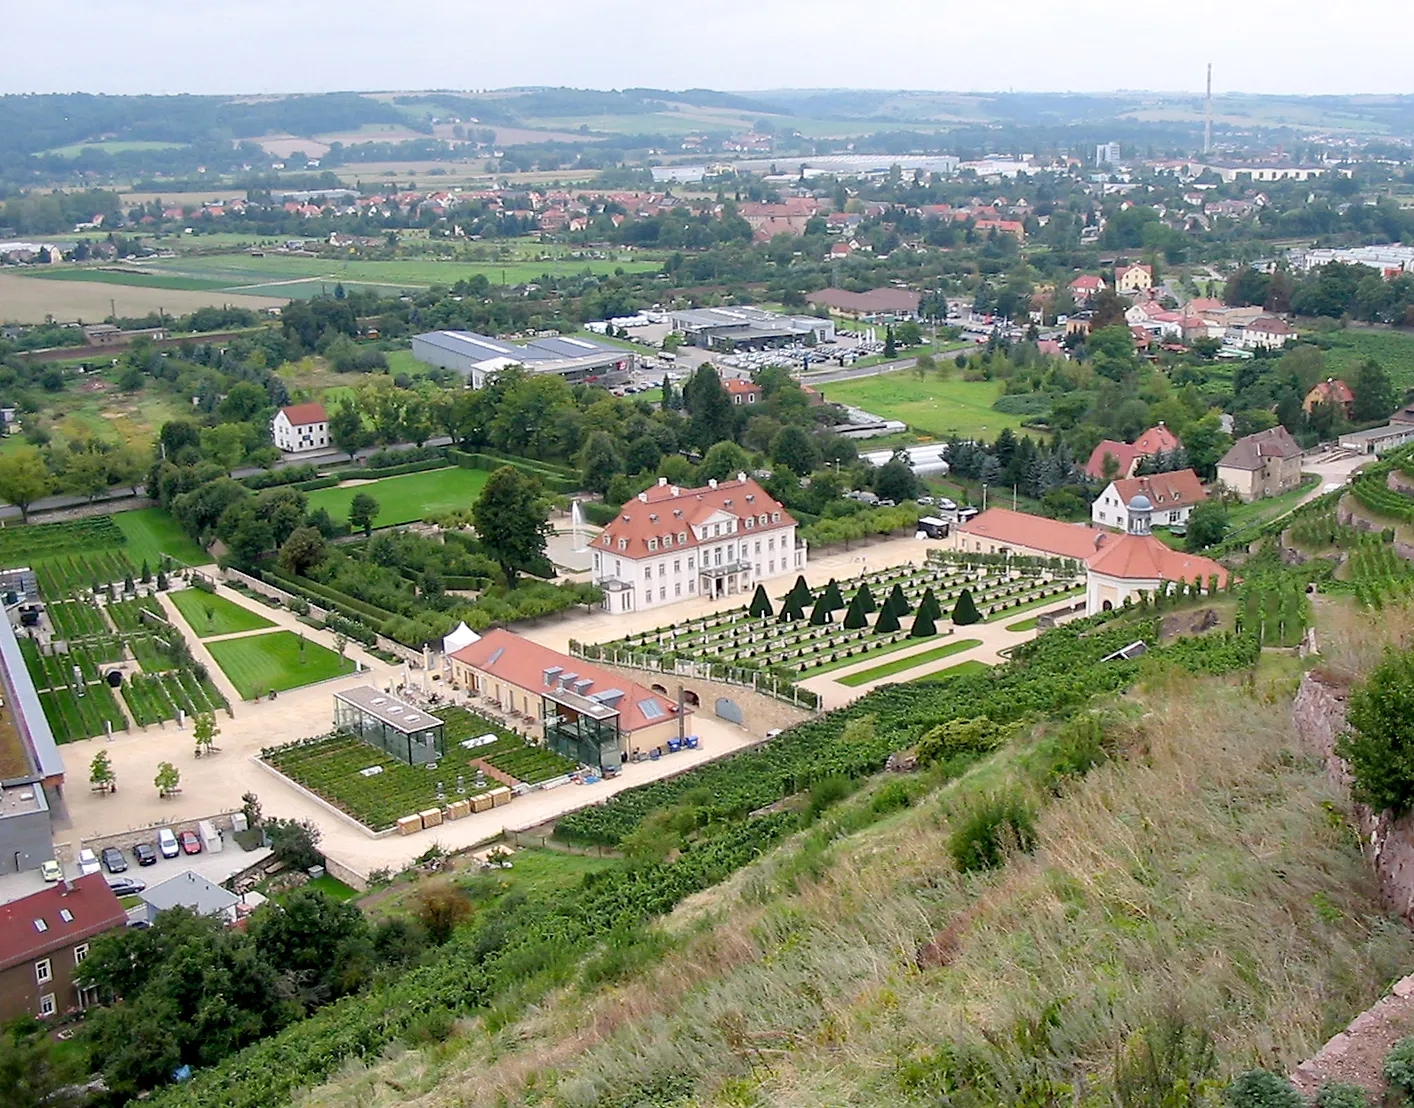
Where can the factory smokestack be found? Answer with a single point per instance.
(1208, 114)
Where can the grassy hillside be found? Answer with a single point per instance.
(1201, 882)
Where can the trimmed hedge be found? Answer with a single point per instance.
(374, 472)
(290, 475)
(554, 478)
(601, 515)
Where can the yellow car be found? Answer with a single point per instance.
(51, 871)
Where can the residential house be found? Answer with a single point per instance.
(742, 390)
(1171, 498)
(1267, 463)
(672, 544)
(191, 891)
(1134, 278)
(1085, 288)
(300, 427)
(1156, 440)
(44, 938)
(1266, 332)
(596, 716)
(1332, 392)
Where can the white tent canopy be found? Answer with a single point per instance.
(461, 636)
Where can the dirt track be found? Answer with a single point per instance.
(32, 300)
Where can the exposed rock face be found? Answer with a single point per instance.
(1357, 1054)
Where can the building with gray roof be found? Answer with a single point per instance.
(191, 891)
(31, 771)
(478, 358)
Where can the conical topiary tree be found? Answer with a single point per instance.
(965, 610)
(898, 602)
(868, 602)
(855, 617)
(801, 592)
(929, 603)
(923, 625)
(887, 623)
(821, 612)
(834, 599)
(761, 604)
(791, 609)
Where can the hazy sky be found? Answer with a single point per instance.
(133, 46)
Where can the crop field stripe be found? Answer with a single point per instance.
(898, 665)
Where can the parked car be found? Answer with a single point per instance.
(51, 870)
(167, 843)
(88, 862)
(927, 501)
(190, 843)
(113, 860)
(946, 504)
(146, 854)
(126, 886)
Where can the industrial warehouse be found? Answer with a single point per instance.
(479, 358)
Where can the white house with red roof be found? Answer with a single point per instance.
(1086, 287)
(1171, 498)
(300, 427)
(670, 544)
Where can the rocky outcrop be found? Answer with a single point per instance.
(1319, 717)
(1357, 1054)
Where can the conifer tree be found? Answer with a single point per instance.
(820, 614)
(965, 610)
(887, 622)
(923, 625)
(854, 618)
(761, 604)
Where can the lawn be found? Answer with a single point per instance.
(140, 279)
(152, 533)
(939, 407)
(408, 498)
(1007, 613)
(1023, 625)
(898, 665)
(1260, 511)
(962, 669)
(209, 614)
(259, 664)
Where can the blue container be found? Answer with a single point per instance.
(674, 745)
(692, 742)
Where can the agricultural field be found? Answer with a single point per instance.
(151, 535)
(31, 299)
(331, 768)
(152, 699)
(274, 662)
(408, 498)
(208, 614)
(934, 406)
(95, 408)
(1392, 349)
(111, 146)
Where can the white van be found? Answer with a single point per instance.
(167, 843)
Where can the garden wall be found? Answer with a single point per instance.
(126, 840)
(1319, 717)
(760, 713)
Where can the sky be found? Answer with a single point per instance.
(271, 46)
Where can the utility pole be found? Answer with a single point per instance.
(1208, 114)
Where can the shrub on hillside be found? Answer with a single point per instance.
(990, 829)
(1262, 1089)
(1380, 743)
(1399, 1066)
(1337, 1094)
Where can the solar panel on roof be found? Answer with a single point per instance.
(495, 655)
(651, 709)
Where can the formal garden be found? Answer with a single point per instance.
(276, 662)
(804, 633)
(336, 768)
(91, 636)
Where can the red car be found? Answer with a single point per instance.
(190, 843)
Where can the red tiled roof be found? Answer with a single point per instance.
(1329, 392)
(1178, 489)
(1087, 281)
(740, 386)
(1158, 440)
(1122, 452)
(1271, 325)
(300, 415)
(88, 900)
(523, 663)
(1132, 557)
(1145, 558)
(666, 510)
(1060, 539)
